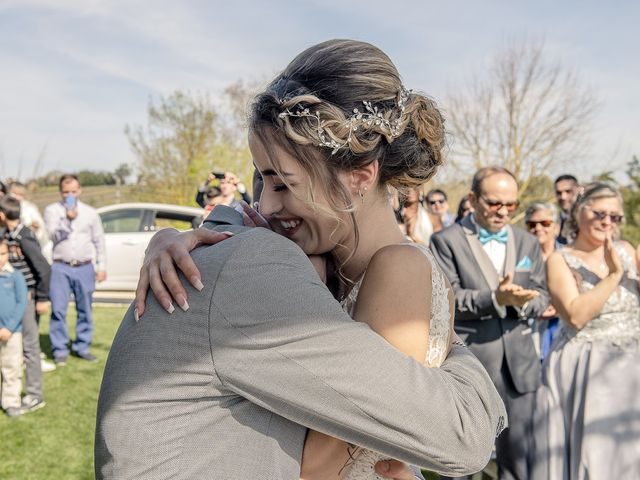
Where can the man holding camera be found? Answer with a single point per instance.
(76, 232)
(229, 185)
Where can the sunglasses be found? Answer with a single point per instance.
(531, 225)
(600, 215)
(495, 205)
(436, 202)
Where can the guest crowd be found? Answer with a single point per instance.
(552, 310)
(43, 261)
(553, 313)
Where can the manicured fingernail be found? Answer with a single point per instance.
(170, 308)
(195, 281)
(136, 317)
(184, 305)
(228, 234)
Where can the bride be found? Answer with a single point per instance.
(330, 137)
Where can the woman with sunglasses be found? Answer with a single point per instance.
(542, 220)
(588, 407)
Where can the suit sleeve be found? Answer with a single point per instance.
(37, 264)
(470, 304)
(291, 349)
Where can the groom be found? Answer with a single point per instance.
(498, 278)
(228, 388)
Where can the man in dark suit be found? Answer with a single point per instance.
(498, 277)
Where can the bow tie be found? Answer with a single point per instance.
(500, 236)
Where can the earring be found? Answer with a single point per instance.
(362, 192)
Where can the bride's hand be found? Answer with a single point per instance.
(167, 250)
(395, 469)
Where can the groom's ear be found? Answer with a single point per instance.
(364, 178)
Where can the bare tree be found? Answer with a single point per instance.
(526, 114)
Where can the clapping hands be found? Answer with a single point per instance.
(512, 294)
(612, 259)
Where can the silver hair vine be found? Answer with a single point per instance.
(369, 117)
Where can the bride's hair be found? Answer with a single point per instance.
(340, 105)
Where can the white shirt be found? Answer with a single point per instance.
(497, 253)
(29, 215)
(423, 228)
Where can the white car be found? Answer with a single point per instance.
(128, 227)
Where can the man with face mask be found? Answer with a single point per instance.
(498, 278)
(76, 232)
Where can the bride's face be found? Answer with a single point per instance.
(315, 228)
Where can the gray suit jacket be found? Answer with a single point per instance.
(473, 278)
(227, 389)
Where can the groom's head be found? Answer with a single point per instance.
(494, 197)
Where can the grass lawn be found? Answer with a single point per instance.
(56, 442)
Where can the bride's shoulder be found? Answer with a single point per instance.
(402, 261)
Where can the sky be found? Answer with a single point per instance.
(74, 73)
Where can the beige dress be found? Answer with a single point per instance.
(362, 465)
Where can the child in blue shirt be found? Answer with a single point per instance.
(13, 301)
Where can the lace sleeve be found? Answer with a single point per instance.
(440, 322)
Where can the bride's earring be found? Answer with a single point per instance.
(361, 192)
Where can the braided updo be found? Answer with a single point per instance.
(331, 80)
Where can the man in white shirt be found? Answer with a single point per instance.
(498, 277)
(76, 231)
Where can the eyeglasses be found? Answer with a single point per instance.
(531, 225)
(600, 215)
(437, 202)
(495, 205)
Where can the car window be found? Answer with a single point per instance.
(121, 221)
(179, 221)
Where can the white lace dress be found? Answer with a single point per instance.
(362, 466)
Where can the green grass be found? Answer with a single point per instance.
(56, 442)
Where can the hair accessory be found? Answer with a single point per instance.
(371, 116)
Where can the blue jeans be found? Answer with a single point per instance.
(66, 279)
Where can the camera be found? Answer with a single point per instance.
(217, 174)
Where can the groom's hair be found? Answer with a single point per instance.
(486, 172)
